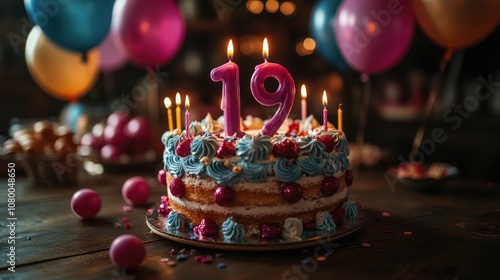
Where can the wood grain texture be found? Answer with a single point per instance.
(455, 234)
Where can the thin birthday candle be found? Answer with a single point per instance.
(186, 116)
(168, 104)
(325, 112)
(178, 110)
(303, 93)
(339, 114)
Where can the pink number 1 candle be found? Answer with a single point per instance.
(284, 95)
(230, 76)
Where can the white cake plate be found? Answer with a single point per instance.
(158, 225)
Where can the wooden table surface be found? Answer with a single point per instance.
(450, 234)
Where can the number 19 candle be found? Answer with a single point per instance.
(230, 76)
(284, 95)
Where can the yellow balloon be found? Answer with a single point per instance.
(457, 23)
(60, 73)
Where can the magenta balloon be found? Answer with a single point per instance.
(112, 55)
(374, 35)
(152, 31)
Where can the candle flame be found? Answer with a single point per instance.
(325, 100)
(178, 99)
(340, 106)
(303, 92)
(265, 49)
(230, 50)
(186, 102)
(167, 102)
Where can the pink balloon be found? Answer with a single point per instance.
(111, 53)
(152, 31)
(374, 35)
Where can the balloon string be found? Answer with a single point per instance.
(363, 116)
(430, 101)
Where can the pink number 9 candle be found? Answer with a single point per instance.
(230, 76)
(284, 95)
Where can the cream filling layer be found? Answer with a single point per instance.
(262, 211)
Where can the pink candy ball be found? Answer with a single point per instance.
(136, 190)
(127, 251)
(85, 203)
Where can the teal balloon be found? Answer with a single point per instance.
(76, 25)
(322, 31)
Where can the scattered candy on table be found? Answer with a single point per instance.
(85, 203)
(127, 251)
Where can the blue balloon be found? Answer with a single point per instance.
(322, 31)
(76, 25)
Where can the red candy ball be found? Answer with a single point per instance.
(339, 215)
(223, 195)
(127, 251)
(85, 203)
(270, 231)
(184, 148)
(111, 153)
(292, 192)
(177, 188)
(136, 190)
(162, 177)
(330, 186)
(349, 177)
(329, 141)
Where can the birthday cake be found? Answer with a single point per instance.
(269, 186)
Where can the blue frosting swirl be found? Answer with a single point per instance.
(192, 165)
(232, 230)
(195, 128)
(310, 147)
(329, 167)
(172, 143)
(254, 148)
(255, 172)
(221, 174)
(325, 222)
(173, 164)
(311, 165)
(351, 208)
(285, 172)
(205, 146)
(342, 146)
(175, 220)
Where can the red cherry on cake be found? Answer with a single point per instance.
(207, 227)
(348, 177)
(223, 195)
(162, 177)
(177, 188)
(292, 192)
(293, 127)
(270, 231)
(226, 149)
(184, 148)
(285, 149)
(339, 215)
(329, 141)
(330, 186)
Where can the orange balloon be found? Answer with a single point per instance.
(60, 73)
(457, 23)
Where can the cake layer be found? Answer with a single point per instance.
(255, 203)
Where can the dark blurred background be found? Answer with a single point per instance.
(397, 97)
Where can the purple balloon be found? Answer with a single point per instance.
(111, 54)
(152, 31)
(374, 35)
